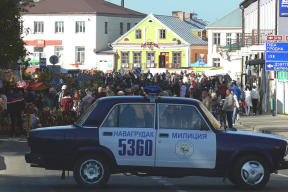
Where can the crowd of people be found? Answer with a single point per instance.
(220, 95)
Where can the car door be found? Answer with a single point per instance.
(184, 138)
(129, 132)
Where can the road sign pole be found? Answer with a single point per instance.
(284, 98)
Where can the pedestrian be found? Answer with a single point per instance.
(237, 91)
(214, 105)
(15, 106)
(222, 90)
(109, 91)
(4, 98)
(206, 100)
(229, 85)
(86, 102)
(222, 114)
(229, 107)
(61, 95)
(236, 107)
(51, 100)
(67, 102)
(183, 90)
(30, 96)
(248, 101)
(261, 94)
(82, 94)
(255, 98)
(75, 99)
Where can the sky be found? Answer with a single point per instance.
(208, 10)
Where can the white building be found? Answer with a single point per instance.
(75, 30)
(224, 38)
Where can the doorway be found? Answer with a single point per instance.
(164, 60)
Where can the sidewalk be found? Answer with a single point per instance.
(6, 141)
(266, 123)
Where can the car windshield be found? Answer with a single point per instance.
(83, 117)
(211, 118)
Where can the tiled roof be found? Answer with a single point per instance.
(184, 28)
(231, 20)
(79, 6)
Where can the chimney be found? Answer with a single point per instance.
(122, 3)
(181, 15)
(189, 15)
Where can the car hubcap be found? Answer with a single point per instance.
(91, 171)
(252, 172)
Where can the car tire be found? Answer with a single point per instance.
(91, 171)
(251, 172)
(231, 178)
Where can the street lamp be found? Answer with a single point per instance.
(20, 63)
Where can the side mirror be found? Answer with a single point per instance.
(204, 127)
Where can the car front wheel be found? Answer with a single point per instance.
(91, 171)
(251, 172)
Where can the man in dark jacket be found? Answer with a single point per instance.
(15, 106)
(86, 102)
(51, 99)
(31, 96)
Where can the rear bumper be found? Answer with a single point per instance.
(35, 158)
(282, 165)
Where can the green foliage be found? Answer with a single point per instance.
(11, 41)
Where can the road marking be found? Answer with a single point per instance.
(7, 153)
(281, 175)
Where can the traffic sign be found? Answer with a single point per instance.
(53, 59)
(274, 38)
(277, 66)
(282, 77)
(30, 65)
(277, 46)
(43, 63)
(138, 70)
(276, 56)
(202, 62)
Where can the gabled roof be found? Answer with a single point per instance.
(231, 20)
(80, 6)
(184, 28)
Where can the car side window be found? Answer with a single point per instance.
(180, 117)
(131, 116)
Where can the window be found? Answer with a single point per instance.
(128, 26)
(176, 59)
(199, 34)
(38, 27)
(216, 62)
(150, 61)
(80, 26)
(137, 60)
(180, 117)
(196, 57)
(162, 33)
(228, 35)
(121, 28)
(211, 118)
(59, 51)
(39, 53)
(138, 34)
(125, 59)
(59, 27)
(239, 36)
(106, 27)
(216, 38)
(80, 55)
(131, 116)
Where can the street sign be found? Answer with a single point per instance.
(202, 62)
(277, 46)
(283, 8)
(274, 38)
(276, 66)
(53, 59)
(138, 70)
(30, 65)
(276, 56)
(282, 77)
(43, 63)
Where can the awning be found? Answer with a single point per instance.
(216, 72)
(202, 69)
(33, 85)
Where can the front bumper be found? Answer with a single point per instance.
(282, 165)
(35, 158)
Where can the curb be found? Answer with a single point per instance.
(11, 142)
(261, 130)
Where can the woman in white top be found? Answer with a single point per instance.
(248, 101)
(236, 106)
(255, 98)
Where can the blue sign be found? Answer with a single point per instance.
(283, 8)
(277, 66)
(202, 62)
(276, 56)
(138, 70)
(274, 47)
(30, 65)
(42, 63)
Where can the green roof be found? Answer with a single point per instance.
(231, 20)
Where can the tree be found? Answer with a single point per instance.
(11, 40)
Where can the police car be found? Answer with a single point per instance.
(155, 136)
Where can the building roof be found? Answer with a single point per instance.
(231, 20)
(79, 6)
(107, 50)
(184, 28)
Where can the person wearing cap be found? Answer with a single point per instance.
(50, 99)
(61, 95)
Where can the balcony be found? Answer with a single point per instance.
(257, 37)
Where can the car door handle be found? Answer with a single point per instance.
(164, 135)
(107, 134)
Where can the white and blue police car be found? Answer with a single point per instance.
(155, 136)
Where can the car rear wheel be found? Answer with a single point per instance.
(251, 172)
(91, 171)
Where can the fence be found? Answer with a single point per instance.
(5, 125)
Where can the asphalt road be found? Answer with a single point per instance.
(16, 175)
